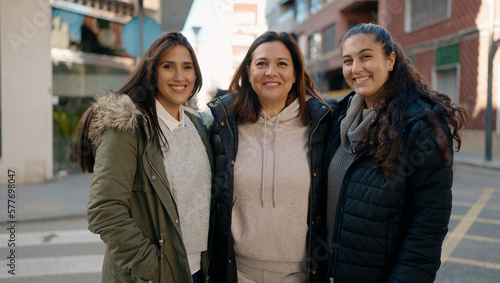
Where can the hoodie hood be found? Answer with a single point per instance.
(112, 111)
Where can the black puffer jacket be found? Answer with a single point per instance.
(391, 229)
(224, 140)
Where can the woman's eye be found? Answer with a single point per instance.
(167, 66)
(365, 56)
(282, 64)
(260, 64)
(347, 61)
(188, 67)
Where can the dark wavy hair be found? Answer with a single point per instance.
(246, 105)
(141, 87)
(384, 138)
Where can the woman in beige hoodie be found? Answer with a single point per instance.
(268, 140)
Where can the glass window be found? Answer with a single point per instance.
(329, 42)
(447, 81)
(79, 32)
(426, 12)
(314, 45)
(88, 59)
(315, 6)
(301, 14)
(303, 44)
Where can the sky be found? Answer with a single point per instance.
(213, 43)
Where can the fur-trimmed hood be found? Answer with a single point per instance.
(112, 111)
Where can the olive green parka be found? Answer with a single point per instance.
(131, 206)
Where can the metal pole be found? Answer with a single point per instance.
(489, 102)
(141, 20)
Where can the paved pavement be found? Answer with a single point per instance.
(67, 196)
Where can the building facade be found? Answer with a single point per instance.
(447, 41)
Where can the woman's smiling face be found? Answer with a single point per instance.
(272, 73)
(176, 78)
(365, 66)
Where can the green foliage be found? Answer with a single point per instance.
(65, 115)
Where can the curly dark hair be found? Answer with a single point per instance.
(246, 105)
(384, 138)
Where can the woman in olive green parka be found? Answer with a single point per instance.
(150, 155)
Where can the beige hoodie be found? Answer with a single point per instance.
(271, 192)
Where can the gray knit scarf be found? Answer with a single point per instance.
(353, 127)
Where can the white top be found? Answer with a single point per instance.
(170, 121)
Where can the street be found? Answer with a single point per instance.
(471, 251)
(60, 250)
(63, 250)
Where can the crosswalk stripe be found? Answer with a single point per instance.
(32, 267)
(50, 238)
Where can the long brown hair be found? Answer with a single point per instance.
(246, 105)
(384, 138)
(141, 87)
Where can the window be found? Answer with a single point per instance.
(446, 81)
(315, 6)
(329, 42)
(88, 58)
(314, 45)
(301, 14)
(244, 18)
(303, 44)
(422, 13)
(446, 72)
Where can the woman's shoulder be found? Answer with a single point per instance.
(221, 104)
(222, 98)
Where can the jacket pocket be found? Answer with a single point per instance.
(139, 280)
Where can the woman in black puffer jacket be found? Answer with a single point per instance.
(269, 138)
(389, 163)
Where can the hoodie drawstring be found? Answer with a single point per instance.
(274, 161)
(275, 157)
(263, 164)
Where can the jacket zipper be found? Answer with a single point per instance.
(341, 200)
(311, 199)
(162, 241)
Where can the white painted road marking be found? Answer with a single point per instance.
(34, 267)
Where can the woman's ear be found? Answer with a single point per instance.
(391, 61)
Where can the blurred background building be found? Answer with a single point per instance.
(447, 40)
(56, 55)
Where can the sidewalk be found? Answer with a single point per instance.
(67, 196)
(477, 160)
(61, 197)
